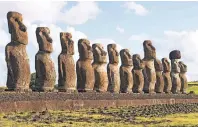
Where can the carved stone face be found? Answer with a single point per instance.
(158, 65)
(183, 67)
(175, 66)
(100, 56)
(138, 62)
(44, 40)
(166, 65)
(84, 49)
(113, 54)
(126, 57)
(149, 50)
(67, 43)
(16, 28)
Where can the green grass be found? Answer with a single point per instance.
(172, 120)
(92, 118)
(193, 88)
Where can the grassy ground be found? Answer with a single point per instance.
(143, 116)
(193, 87)
(194, 83)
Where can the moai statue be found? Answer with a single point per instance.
(18, 76)
(84, 69)
(166, 75)
(113, 69)
(184, 82)
(159, 86)
(138, 76)
(126, 75)
(99, 65)
(174, 56)
(66, 65)
(149, 70)
(45, 70)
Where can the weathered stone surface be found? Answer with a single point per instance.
(84, 69)
(138, 76)
(113, 69)
(184, 82)
(166, 75)
(36, 101)
(66, 64)
(159, 86)
(99, 65)
(18, 76)
(149, 70)
(175, 70)
(126, 75)
(45, 70)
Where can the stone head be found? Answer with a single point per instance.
(166, 65)
(16, 28)
(138, 62)
(67, 43)
(126, 57)
(44, 40)
(113, 53)
(84, 49)
(158, 65)
(100, 56)
(149, 50)
(183, 67)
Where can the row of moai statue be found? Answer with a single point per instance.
(147, 75)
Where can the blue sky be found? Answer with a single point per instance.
(170, 25)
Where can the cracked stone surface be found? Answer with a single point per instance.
(113, 69)
(99, 65)
(84, 69)
(18, 76)
(45, 69)
(126, 75)
(66, 64)
(149, 70)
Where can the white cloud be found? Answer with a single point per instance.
(52, 11)
(44, 11)
(120, 29)
(140, 37)
(81, 13)
(137, 8)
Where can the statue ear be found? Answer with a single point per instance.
(10, 24)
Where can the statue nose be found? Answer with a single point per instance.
(23, 28)
(152, 47)
(49, 39)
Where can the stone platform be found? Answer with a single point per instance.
(35, 101)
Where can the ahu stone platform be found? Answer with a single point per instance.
(35, 101)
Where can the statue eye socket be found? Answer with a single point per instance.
(44, 33)
(16, 19)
